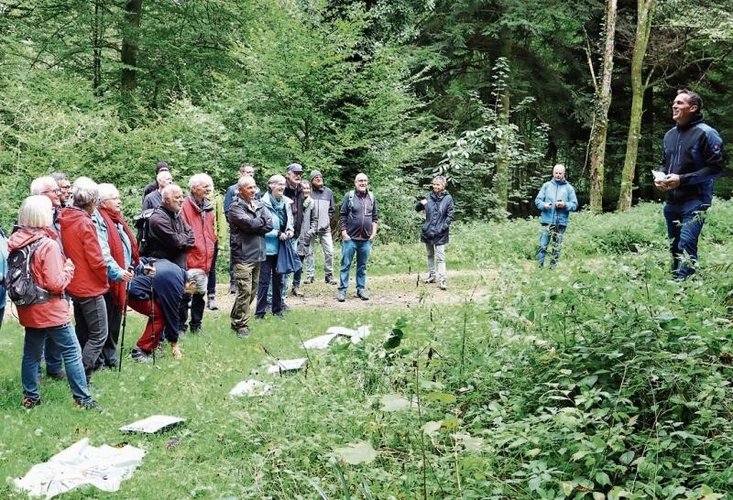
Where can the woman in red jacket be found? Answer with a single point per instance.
(89, 284)
(48, 317)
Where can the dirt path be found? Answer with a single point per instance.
(395, 290)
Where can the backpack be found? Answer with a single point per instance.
(141, 222)
(19, 283)
(350, 195)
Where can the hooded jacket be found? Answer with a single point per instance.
(553, 191)
(693, 151)
(82, 247)
(47, 269)
(201, 220)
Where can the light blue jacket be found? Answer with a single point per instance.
(281, 222)
(551, 192)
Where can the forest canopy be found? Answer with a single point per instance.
(490, 93)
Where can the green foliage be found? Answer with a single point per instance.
(600, 379)
(471, 164)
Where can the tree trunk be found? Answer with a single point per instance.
(97, 50)
(501, 176)
(130, 46)
(603, 103)
(645, 13)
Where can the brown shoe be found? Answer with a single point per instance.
(296, 291)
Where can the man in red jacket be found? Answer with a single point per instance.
(89, 284)
(198, 212)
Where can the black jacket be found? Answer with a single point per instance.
(169, 237)
(695, 152)
(439, 213)
(247, 228)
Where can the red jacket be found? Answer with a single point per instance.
(82, 247)
(47, 268)
(201, 220)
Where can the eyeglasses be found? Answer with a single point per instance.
(47, 191)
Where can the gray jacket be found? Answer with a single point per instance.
(248, 225)
(323, 208)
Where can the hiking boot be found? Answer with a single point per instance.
(243, 332)
(296, 291)
(212, 305)
(140, 356)
(56, 375)
(330, 280)
(29, 403)
(431, 278)
(232, 288)
(442, 284)
(362, 294)
(341, 296)
(309, 280)
(87, 405)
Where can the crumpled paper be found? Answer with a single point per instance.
(80, 464)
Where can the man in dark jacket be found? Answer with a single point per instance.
(692, 159)
(358, 219)
(161, 166)
(169, 236)
(248, 224)
(323, 209)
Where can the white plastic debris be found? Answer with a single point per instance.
(153, 424)
(285, 365)
(80, 464)
(251, 388)
(320, 342)
(323, 341)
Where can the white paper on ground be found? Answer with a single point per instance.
(104, 467)
(251, 388)
(355, 335)
(284, 365)
(153, 424)
(320, 342)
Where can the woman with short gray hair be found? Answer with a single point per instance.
(89, 284)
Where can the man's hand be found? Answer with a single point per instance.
(548, 205)
(672, 181)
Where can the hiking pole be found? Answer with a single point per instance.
(121, 350)
(151, 262)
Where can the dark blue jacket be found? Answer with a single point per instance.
(693, 151)
(439, 213)
(167, 288)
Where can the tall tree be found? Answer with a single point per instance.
(644, 16)
(599, 130)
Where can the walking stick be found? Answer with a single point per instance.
(121, 350)
(152, 312)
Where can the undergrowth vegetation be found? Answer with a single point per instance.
(601, 379)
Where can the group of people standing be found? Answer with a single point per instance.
(81, 249)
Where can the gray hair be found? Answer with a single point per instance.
(693, 98)
(245, 180)
(59, 176)
(107, 191)
(36, 211)
(162, 175)
(40, 184)
(198, 179)
(84, 192)
(275, 179)
(168, 191)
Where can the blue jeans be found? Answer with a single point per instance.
(65, 338)
(550, 236)
(362, 249)
(684, 225)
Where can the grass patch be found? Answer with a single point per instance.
(598, 380)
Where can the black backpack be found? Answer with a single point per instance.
(141, 222)
(19, 283)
